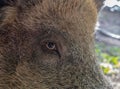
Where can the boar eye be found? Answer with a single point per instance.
(50, 45)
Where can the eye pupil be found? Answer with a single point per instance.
(50, 45)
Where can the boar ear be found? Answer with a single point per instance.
(4, 3)
(7, 11)
(99, 4)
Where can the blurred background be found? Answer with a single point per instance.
(107, 40)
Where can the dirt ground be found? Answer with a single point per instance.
(109, 21)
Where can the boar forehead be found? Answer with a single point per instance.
(68, 16)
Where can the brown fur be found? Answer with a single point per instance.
(99, 3)
(26, 63)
